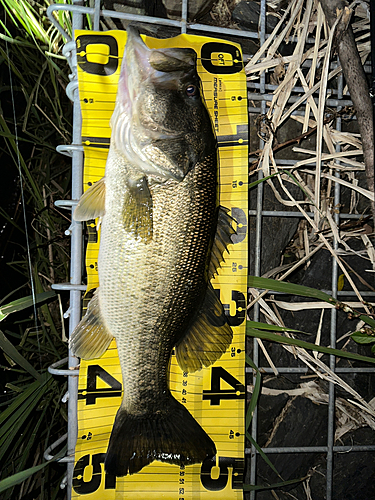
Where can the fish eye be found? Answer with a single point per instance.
(191, 90)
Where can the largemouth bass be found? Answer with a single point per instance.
(163, 236)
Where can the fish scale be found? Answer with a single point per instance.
(166, 267)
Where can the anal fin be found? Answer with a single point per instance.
(207, 338)
(90, 339)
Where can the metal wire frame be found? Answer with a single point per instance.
(259, 215)
(75, 230)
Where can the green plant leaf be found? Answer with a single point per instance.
(250, 411)
(24, 302)
(262, 454)
(19, 477)
(340, 282)
(273, 337)
(289, 288)
(17, 415)
(255, 183)
(294, 178)
(363, 338)
(21, 398)
(251, 487)
(256, 392)
(272, 328)
(17, 357)
(304, 291)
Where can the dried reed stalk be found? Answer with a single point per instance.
(343, 159)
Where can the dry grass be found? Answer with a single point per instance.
(337, 158)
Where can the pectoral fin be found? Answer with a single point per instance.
(222, 240)
(91, 205)
(207, 338)
(138, 210)
(90, 339)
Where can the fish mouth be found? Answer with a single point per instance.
(165, 60)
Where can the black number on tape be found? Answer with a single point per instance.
(240, 300)
(221, 49)
(239, 317)
(216, 393)
(240, 217)
(87, 62)
(83, 487)
(91, 393)
(225, 463)
(92, 233)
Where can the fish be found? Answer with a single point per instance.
(163, 236)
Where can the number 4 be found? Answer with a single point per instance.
(216, 393)
(92, 392)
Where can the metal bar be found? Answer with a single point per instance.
(329, 292)
(151, 20)
(67, 149)
(269, 86)
(332, 360)
(268, 97)
(184, 15)
(281, 213)
(255, 110)
(97, 15)
(306, 64)
(69, 286)
(314, 449)
(301, 369)
(257, 268)
(141, 19)
(76, 10)
(75, 286)
(54, 370)
(54, 445)
(76, 259)
(225, 31)
(67, 204)
(281, 162)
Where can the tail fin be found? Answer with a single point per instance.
(169, 435)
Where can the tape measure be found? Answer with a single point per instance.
(215, 396)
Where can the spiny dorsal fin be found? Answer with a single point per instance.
(207, 338)
(90, 339)
(222, 240)
(138, 211)
(92, 203)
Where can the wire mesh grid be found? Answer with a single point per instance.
(259, 94)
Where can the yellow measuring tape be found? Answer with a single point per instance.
(215, 396)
